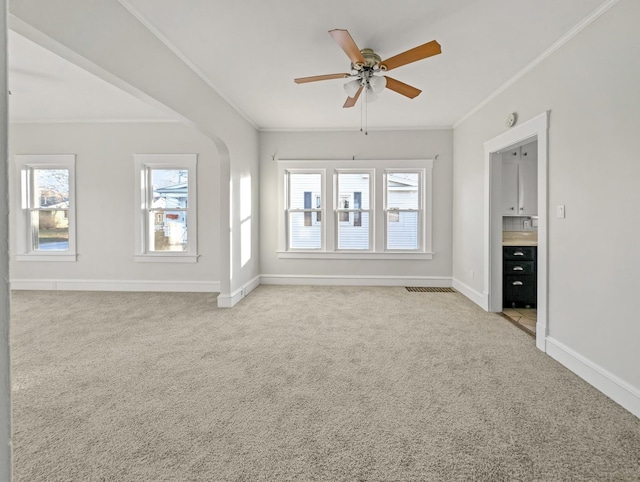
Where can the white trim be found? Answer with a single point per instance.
(355, 129)
(63, 257)
(613, 387)
(23, 167)
(347, 255)
(142, 163)
(540, 58)
(537, 127)
(160, 36)
(96, 121)
(115, 285)
(480, 299)
(355, 280)
(378, 169)
(229, 301)
(166, 258)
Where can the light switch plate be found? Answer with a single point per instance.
(560, 211)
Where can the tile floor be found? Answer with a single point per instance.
(524, 318)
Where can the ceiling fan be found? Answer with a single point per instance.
(366, 66)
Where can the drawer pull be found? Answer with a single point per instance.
(517, 283)
(518, 253)
(518, 268)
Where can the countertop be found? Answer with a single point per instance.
(520, 238)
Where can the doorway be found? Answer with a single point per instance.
(534, 129)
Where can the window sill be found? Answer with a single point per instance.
(166, 258)
(47, 257)
(352, 255)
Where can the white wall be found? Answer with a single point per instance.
(591, 87)
(416, 144)
(105, 193)
(105, 39)
(5, 381)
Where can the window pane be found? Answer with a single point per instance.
(344, 203)
(170, 188)
(402, 190)
(307, 205)
(168, 230)
(403, 233)
(51, 188)
(354, 236)
(302, 236)
(299, 186)
(50, 230)
(352, 186)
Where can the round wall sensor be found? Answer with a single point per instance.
(511, 119)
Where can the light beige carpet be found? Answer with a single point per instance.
(299, 383)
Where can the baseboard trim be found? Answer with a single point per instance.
(229, 301)
(613, 387)
(478, 298)
(353, 280)
(115, 285)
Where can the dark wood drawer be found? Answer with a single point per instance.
(519, 267)
(519, 253)
(519, 289)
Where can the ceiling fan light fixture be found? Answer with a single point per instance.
(371, 95)
(378, 83)
(351, 87)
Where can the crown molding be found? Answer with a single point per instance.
(163, 38)
(355, 129)
(94, 121)
(540, 58)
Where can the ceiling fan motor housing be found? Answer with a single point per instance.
(371, 60)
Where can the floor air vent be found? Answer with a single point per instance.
(419, 289)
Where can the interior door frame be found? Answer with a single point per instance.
(536, 128)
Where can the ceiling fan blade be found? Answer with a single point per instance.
(418, 53)
(304, 80)
(344, 39)
(402, 88)
(351, 101)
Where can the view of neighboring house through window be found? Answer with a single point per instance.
(46, 225)
(375, 209)
(168, 209)
(353, 210)
(166, 220)
(50, 210)
(403, 211)
(304, 216)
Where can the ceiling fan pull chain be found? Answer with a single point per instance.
(361, 110)
(366, 111)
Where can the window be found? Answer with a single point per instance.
(166, 212)
(403, 211)
(374, 210)
(46, 220)
(353, 207)
(304, 218)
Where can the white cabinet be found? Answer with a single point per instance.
(520, 181)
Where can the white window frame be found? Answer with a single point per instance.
(420, 210)
(143, 164)
(377, 223)
(287, 211)
(23, 197)
(351, 209)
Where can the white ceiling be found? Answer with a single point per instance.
(251, 50)
(45, 87)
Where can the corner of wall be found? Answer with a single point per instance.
(480, 299)
(229, 301)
